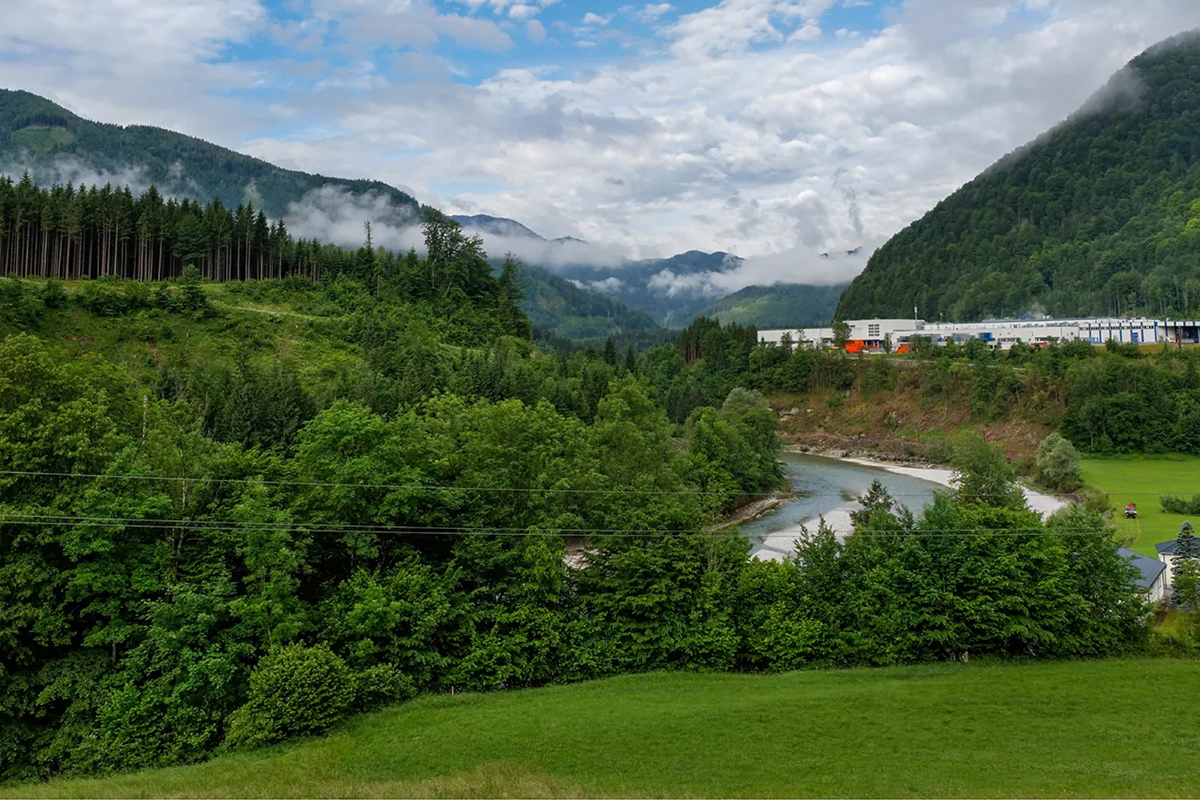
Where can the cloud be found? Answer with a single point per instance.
(651, 12)
(535, 31)
(334, 215)
(71, 170)
(738, 127)
(607, 286)
(550, 254)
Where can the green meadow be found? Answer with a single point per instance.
(1143, 480)
(1065, 729)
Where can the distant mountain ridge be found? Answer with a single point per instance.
(53, 143)
(575, 288)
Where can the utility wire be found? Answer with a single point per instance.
(440, 488)
(48, 520)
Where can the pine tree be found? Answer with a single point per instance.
(1187, 552)
(610, 353)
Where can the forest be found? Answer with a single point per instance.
(1099, 216)
(233, 512)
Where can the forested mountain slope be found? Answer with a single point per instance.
(46, 138)
(1101, 215)
(779, 306)
(554, 303)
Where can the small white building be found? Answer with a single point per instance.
(1166, 554)
(1154, 575)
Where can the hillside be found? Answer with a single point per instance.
(555, 304)
(1067, 729)
(1101, 215)
(603, 296)
(54, 143)
(782, 305)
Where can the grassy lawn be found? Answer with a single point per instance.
(1141, 480)
(1082, 729)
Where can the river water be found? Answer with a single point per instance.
(822, 486)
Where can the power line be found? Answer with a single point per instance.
(50, 520)
(516, 489)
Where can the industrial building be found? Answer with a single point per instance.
(877, 335)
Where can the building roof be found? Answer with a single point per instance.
(1150, 568)
(1165, 548)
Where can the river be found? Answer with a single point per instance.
(822, 486)
(825, 487)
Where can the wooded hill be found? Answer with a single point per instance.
(783, 305)
(1101, 215)
(45, 137)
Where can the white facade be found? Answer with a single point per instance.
(872, 333)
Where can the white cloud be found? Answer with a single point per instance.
(333, 215)
(735, 130)
(535, 31)
(591, 18)
(651, 12)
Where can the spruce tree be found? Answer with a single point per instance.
(610, 353)
(1187, 552)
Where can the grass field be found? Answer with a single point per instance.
(1092, 729)
(1142, 480)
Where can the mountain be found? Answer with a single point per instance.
(784, 305)
(1101, 215)
(56, 145)
(495, 226)
(598, 294)
(555, 304)
(673, 291)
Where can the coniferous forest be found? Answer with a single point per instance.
(70, 233)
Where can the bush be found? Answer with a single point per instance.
(1181, 505)
(54, 295)
(1057, 464)
(380, 686)
(294, 691)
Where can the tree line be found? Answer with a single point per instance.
(75, 233)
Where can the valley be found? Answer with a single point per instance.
(310, 488)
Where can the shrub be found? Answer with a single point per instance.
(1181, 505)
(1057, 464)
(294, 691)
(381, 685)
(939, 450)
(54, 295)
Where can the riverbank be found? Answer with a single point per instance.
(1040, 502)
(755, 510)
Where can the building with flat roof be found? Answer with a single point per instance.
(875, 335)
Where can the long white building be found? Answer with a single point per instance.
(870, 335)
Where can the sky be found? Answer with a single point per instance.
(776, 130)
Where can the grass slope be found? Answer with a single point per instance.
(1094, 729)
(1142, 480)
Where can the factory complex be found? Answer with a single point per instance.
(896, 335)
